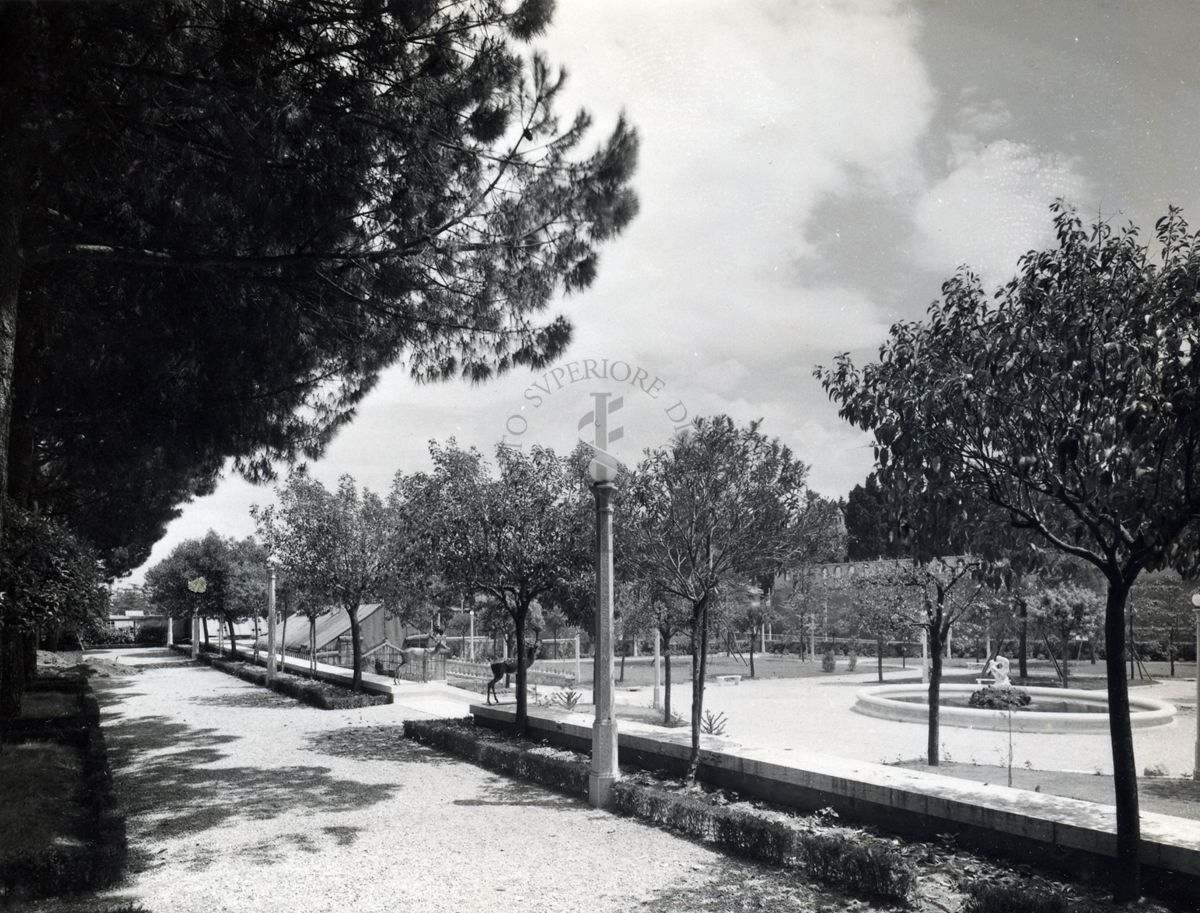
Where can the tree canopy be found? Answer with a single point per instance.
(1069, 402)
(720, 505)
(220, 221)
(515, 534)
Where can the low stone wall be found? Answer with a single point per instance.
(884, 702)
(1067, 835)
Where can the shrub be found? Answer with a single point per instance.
(319, 694)
(503, 755)
(990, 697)
(852, 661)
(828, 663)
(851, 860)
(108, 636)
(152, 633)
(568, 699)
(1010, 894)
(713, 724)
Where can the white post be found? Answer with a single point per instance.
(170, 630)
(949, 646)
(272, 563)
(924, 655)
(195, 634)
(578, 665)
(472, 635)
(603, 773)
(657, 668)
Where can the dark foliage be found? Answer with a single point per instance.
(100, 858)
(1011, 894)
(990, 697)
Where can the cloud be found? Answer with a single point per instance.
(992, 207)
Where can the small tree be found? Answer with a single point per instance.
(720, 503)
(49, 578)
(1070, 403)
(515, 536)
(213, 558)
(344, 548)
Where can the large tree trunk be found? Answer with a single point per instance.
(232, 638)
(29, 648)
(12, 672)
(355, 649)
(522, 718)
(1128, 881)
(14, 68)
(699, 664)
(935, 689)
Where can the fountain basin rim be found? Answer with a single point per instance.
(879, 701)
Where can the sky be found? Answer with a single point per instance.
(809, 174)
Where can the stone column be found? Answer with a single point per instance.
(603, 772)
(272, 562)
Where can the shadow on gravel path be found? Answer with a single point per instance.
(375, 743)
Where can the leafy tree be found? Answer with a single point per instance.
(220, 221)
(884, 613)
(228, 596)
(868, 534)
(1070, 404)
(1164, 618)
(719, 504)
(1062, 611)
(345, 548)
(50, 579)
(515, 535)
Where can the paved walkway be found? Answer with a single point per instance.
(816, 714)
(240, 799)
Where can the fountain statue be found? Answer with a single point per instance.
(999, 669)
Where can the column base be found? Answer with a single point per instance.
(604, 771)
(600, 788)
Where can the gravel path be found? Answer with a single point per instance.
(240, 799)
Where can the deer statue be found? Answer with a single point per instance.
(509, 666)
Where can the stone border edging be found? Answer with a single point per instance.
(1052, 831)
(880, 701)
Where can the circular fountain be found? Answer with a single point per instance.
(1062, 710)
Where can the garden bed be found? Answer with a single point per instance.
(921, 875)
(317, 693)
(60, 832)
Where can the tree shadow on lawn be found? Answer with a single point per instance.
(501, 791)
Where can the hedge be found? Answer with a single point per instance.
(852, 860)
(99, 861)
(1011, 894)
(320, 694)
(508, 756)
